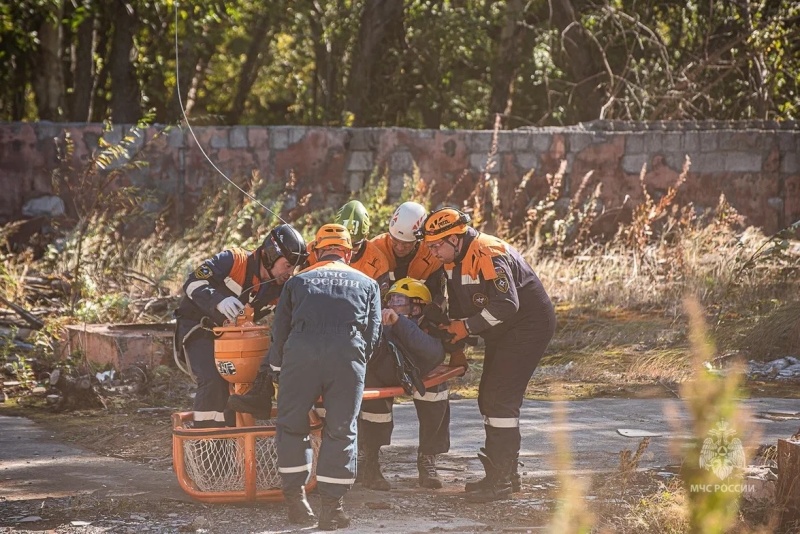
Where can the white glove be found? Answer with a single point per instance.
(230, 307)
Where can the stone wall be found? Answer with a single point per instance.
(756, 166)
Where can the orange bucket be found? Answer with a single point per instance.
(238, 351)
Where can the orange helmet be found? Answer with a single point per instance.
(333, 235)
(444, 222)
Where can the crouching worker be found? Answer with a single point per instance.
(406, 354)
(217, 291)
(325, 329)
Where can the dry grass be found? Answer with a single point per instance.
(621, 309)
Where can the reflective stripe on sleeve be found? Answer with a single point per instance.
(432, 396)
(501, 422)
(276, 368)
(233, 285)
(194, 286)
(489, 318)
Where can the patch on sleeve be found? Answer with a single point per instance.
(480, 300)
(203, 272)
(501, 282)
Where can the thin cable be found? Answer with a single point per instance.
(299, 252)
(191, 130)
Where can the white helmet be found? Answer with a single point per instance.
(408, 218)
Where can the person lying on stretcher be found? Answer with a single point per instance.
(407, 352)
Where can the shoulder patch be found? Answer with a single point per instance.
(501, 282)
(203, 272)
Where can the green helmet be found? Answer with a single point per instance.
(355, 218)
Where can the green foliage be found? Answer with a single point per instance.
(102, 208)
(375, 197)
(561, 229)
(645, 60)
(13, 362)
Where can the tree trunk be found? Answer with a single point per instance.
(514, 44)
(253, 60)
(124, 84)
(583, 61)
(19, 79)
(98, 108)
(48, 76)
(380, 30)
(83, 67)
(327, 59)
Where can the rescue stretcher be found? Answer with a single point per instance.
(240, 464)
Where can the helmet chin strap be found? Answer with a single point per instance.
(456, 248)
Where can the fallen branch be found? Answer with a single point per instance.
(25, 314)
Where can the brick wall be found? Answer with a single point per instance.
(756, 165)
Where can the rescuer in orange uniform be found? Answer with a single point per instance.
(494, 293)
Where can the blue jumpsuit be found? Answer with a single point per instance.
(326, 327)
(233, 272)
(433, 407)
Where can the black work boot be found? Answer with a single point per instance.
(373, 478)
(426, 466)
(297, 507)
(257, 401)
(331, 514)
(496, 485)
(516, 479)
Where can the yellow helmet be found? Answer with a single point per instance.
(411, 288)
(444, 222)
(333, 235)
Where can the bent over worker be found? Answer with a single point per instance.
(494, 293)
(326, 327)
(366, 258)
(402, 246)
(218, 290)
(403, 337)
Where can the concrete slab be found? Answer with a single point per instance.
(592, 426)
(119, 345)
(35, 465)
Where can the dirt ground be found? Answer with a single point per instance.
(136, 428)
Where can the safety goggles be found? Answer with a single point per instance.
(399, 303)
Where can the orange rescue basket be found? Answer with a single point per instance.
(240, 464)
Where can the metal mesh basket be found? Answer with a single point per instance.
(232, 464)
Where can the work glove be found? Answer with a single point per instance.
(230, 307)
(457, 330)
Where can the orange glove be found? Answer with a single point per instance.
(458, 329)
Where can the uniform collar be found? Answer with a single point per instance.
(469, 237)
